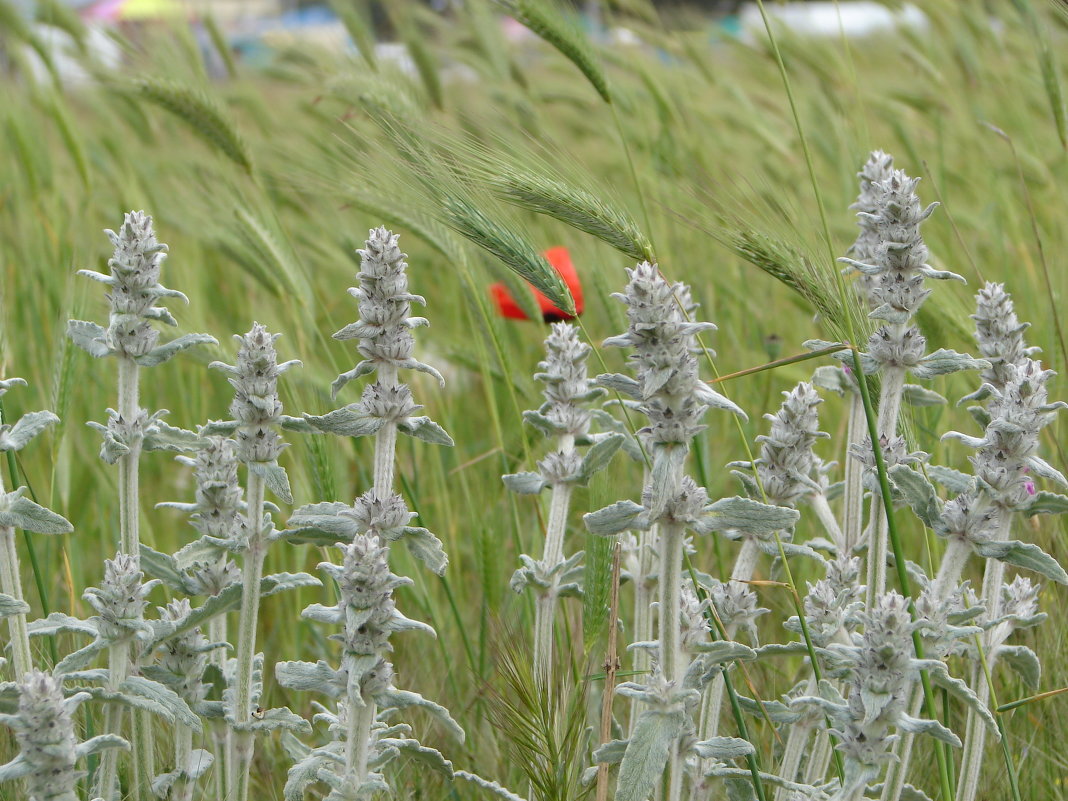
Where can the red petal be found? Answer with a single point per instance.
(506, 305)
(560, 260)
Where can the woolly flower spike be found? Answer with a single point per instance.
(48, 748)
(217, 511)
(134, 289)
(832, 603)
(256, 408)
(695, 628)
(120, 600)
(567, 386)
(895, 452)
(786, 460)
(366, 608)
(384, 327)
(999, 334)
(881, 676)
(876, 170)
(185, 655)
(1005, 460)
(736, 605)
(664, 341)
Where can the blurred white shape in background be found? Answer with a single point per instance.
(833, 19)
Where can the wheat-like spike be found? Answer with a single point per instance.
(573, 206)
(507, 245)
(358, 29)
(549, 24)
(201, 115)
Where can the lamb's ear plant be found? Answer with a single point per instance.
(673, 399)
(18, 511)
(49, 749)
(118, 627)
(204, 567)
(363, 740)
(181, 667)
(894, 267)
(1006, 465)
(564, 418)
(134, 290)
(257, 414)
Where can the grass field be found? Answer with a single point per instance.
(264, 183)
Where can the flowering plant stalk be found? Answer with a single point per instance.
(563, 417)
(674, 399)
(208, 570)
(48, 746)
(134, 290)
(257, 413)
(363, 742)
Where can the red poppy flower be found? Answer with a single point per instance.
(560, 259)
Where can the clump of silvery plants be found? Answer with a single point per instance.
(672, 397)
(565, 418)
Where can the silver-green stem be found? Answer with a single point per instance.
(896, 771)
(385, 440)
(183, 748)
(889, 407)
(243, 743)
(220, 732)
(671, 658)
(824, 513)
(129, 496)
(545, 608)
(108, 772)
(975, 736)
(358, 734)
(144, 745)
(644, 595)
(796, 742)
(854, 475)
(11, 584)
(819, 758)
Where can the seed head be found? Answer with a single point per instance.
(256, 406)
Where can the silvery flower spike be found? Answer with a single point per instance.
(49, 749)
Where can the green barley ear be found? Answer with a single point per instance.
(552, 195)
(550, 24)
(508, 245)
(201, 114)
